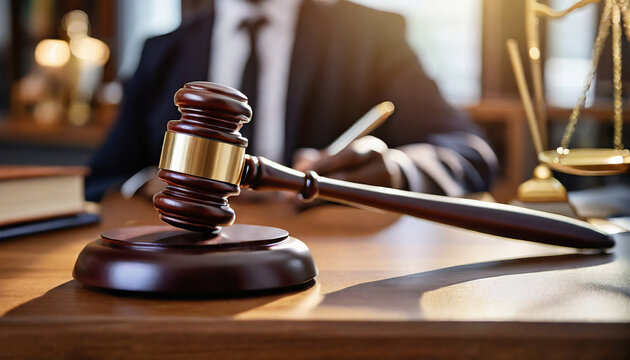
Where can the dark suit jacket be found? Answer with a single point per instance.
(346, 58)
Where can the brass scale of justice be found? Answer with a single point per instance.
(579, 161)
(218, 258)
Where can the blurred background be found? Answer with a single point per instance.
(63, 63)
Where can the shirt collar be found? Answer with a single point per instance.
(231, 13)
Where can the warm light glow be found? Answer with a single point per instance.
(76, 23)
(534, 53)
(52, 53)
(90, 49)
(79, 113)
(48, 112)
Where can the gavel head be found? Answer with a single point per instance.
(202, 157)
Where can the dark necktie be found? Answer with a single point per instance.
(249, 82)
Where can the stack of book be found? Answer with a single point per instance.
(35, 199)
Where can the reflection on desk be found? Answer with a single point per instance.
(389, 287)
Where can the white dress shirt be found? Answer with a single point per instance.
(229, 50)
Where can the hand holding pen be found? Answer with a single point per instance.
(355, 156)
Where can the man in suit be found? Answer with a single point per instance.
(310, 69)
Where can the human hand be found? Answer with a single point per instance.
(365, 161)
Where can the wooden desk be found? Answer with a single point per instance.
(389, 287)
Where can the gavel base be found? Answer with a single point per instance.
(165, 259)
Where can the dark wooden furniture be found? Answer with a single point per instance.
(167, 260)
(389, 287)
(27, 132)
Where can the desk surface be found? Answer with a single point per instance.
(389, 286)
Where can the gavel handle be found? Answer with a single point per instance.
(491, 218)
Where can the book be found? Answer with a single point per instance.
(48, 225)
(34, 193)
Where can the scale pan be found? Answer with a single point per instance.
(587, 162)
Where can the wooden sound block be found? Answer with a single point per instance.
(164, 259)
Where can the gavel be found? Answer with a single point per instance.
(203, 162)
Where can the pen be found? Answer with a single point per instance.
(365, 125)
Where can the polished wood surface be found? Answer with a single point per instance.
(210, 111)
(490, 218)
(173, 262)
(389, 287)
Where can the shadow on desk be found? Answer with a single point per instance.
(405, 292)
(400, 294)
(72, 321)
(74, 300)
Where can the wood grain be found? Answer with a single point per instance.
(389, 287)
(491, 218)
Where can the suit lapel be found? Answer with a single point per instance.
(310, 39)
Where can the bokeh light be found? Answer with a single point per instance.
(76, 23)
(90, 49)
(52, 53)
